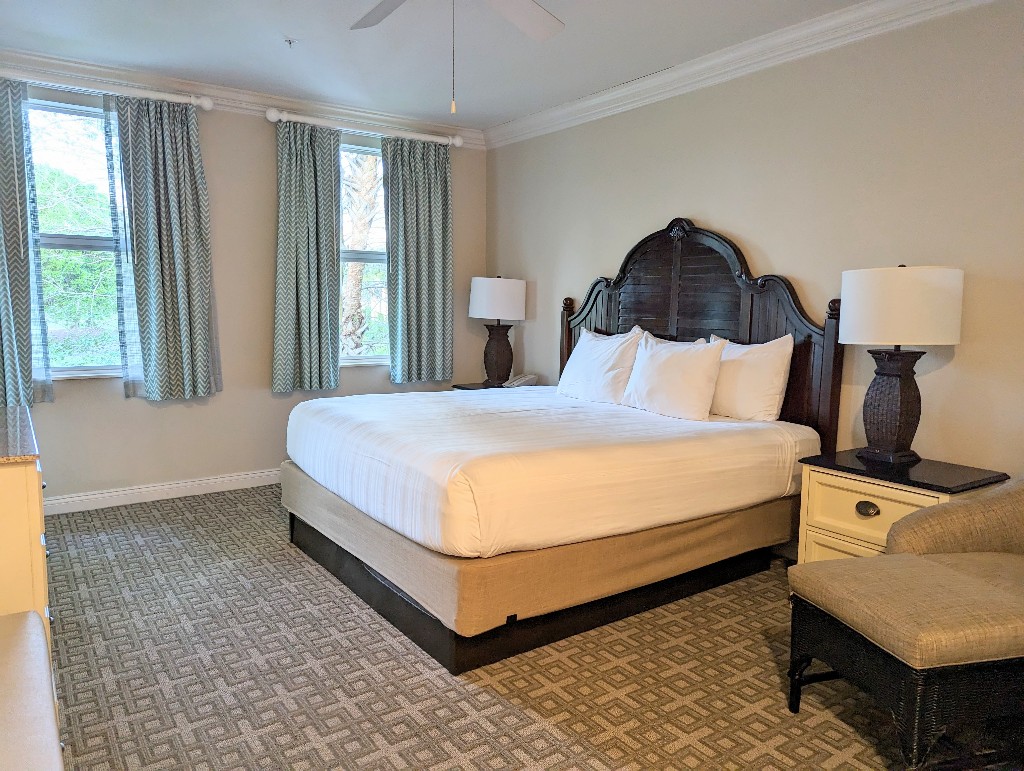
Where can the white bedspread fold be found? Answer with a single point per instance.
(479, 473)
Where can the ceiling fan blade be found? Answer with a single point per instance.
(377, 14)
(530, 17)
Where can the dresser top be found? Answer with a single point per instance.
(17, 439)
(933, 475)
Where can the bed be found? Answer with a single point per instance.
(526, 576)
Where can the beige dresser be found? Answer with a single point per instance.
(847, 506)
(23, 583)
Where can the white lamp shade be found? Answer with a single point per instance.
(901, 306)
(497, 298)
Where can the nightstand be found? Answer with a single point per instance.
(848, 505)
(473, 386)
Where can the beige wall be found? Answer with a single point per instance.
(92, 438)
(904, 148)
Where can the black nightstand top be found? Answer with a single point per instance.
(934, 475)
(473, 386)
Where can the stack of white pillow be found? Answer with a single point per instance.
(691, 381)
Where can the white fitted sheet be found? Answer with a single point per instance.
(479, 473)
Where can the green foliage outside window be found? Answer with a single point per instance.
(72, 198)
(68, 206)
(369, 335)
(80, 299)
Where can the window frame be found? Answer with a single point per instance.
(76, 243)
(364, 256)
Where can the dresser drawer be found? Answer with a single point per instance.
(859, 510)
(817, 545)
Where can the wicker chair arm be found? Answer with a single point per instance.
(992, 520)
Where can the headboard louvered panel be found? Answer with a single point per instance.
(684, 282)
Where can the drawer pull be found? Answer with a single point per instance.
(867, 509)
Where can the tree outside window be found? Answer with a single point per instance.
(364, 298)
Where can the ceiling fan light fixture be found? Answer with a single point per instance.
(528, 15)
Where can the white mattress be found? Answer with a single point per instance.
(479, 473)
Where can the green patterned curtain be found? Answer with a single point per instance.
(418, 207)
(168, 224)
(307, 288)
(24, 366)
(132, 375)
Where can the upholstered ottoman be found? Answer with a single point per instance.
(29, 736)
(936, 639)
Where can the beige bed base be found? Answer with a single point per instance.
(472, 595)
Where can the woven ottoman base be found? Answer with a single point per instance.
(924, 703)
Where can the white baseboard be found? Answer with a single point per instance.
(63, 504)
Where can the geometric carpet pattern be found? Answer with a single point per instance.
(190, 634)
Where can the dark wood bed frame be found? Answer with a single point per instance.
(679, 283)
(685, 282)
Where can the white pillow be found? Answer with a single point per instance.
(674, 379)
(752, 380)
(599, 366)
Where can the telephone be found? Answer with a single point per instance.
(520, 380)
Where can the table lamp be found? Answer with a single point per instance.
(497, 298)
(898, 306)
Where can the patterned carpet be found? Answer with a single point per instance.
(190, 634)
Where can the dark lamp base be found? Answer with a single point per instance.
(892, 408)
(497, 354)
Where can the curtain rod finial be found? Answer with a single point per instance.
(274, 115)
(457, 141)
(205, 102)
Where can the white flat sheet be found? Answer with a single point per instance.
(479, 473)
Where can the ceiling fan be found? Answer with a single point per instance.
(529, 16)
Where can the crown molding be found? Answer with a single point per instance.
(824, 33)
(83, 76)
(867, 19)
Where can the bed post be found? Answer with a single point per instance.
(568, 307)
(831, 380)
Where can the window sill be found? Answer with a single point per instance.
(84, 373)
(364, 361)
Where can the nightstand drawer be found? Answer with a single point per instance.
(857, 509)
(825, 546)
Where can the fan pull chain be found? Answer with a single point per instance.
(453, 57)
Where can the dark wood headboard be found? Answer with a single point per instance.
(685, 282)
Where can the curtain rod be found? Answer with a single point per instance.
(274, 115)
(203, 102)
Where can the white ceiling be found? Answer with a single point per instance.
(403, 66)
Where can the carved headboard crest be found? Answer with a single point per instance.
(686, 282)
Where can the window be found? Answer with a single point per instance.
(76, 240)
(364, 293)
